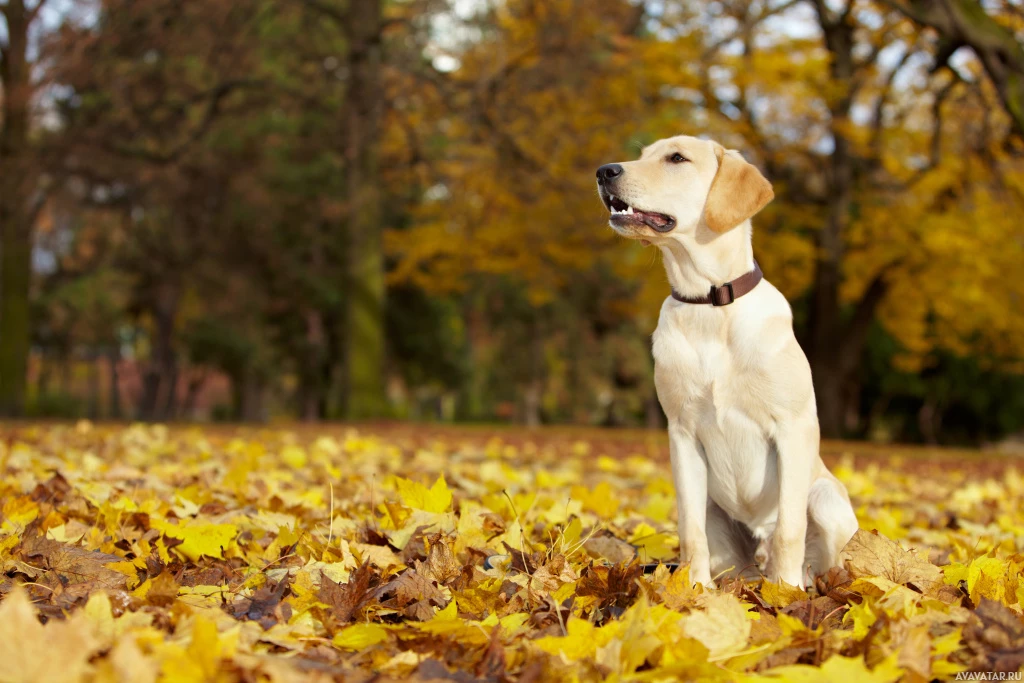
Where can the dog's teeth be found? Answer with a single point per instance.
(629, 210)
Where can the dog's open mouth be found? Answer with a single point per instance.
(623, 214)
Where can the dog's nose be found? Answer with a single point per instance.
(609, 172)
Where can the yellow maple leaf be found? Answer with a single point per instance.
(721, 626)
(578, 643)
(17, 512)
(652, 545)
(201, 660)
(781, 594)
(360, 636)
(838, 668)
(600, 500)
(861, 616)
(438, 498)
(677, 591)
(200, 538)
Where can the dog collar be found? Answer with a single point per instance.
(725, 294)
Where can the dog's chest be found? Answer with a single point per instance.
(700, 365)
(709, 383)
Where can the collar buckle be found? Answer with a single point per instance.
(716, 295)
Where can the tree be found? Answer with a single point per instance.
(20, 201)
(508, 214)
(365, 342)
(966, 22)
(144, 89)
(361, 23)
(852, 127)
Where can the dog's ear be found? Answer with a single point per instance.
(737, 193)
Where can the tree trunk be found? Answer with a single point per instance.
(252, 398)
(15, 334)
(965, 22)
(15, 223)
(533, 394)
(654, 417)
(365, 342)
(312, 382)
(826, 334)
(159, 383)
(93, 378)
(927, 422)
(188, 405)
(835, 341)
(45, 372)
(113, 358)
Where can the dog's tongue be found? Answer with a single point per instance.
(656, 218)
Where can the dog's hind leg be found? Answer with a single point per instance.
(831, 523)
(730, 544)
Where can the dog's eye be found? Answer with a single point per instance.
(676, 158)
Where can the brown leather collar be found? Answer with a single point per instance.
(723, 295)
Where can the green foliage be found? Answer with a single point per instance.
(55, 405)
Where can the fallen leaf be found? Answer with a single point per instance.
(32, 653)
(871, 554)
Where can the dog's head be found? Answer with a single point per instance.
(679, 186)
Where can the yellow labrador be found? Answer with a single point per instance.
(751, 488)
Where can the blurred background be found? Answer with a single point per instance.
(355, 209)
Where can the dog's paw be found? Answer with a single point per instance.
(702, 577)
(762, 556)
(776, 574)
(708, 583)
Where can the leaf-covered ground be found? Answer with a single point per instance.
(147, 553)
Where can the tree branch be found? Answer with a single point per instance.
(883, 99)
(825, 14)
(34, 12)
(966, 22)
(216, 95)
(846, 11)
(327, 10)
(935, 144)
(722, 42)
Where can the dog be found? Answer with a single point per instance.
(753, 495)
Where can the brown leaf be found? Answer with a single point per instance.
(163, 590)
(521, 561)
(265, 605)
(53, 490)
(765, 630)
(345, 599)
(431, 670)
(492, 664)
(441, 562)
(996, 636)
(915, 653)
(413, 593)
(609, 548)
(616, 586)
(836, 584)
(373, 537)
(871, 554)
(814, 612)
(622, 585)
(70, 571)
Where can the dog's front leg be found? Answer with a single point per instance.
(797, 448)
(690, 475)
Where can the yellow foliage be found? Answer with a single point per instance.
(233, 576)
